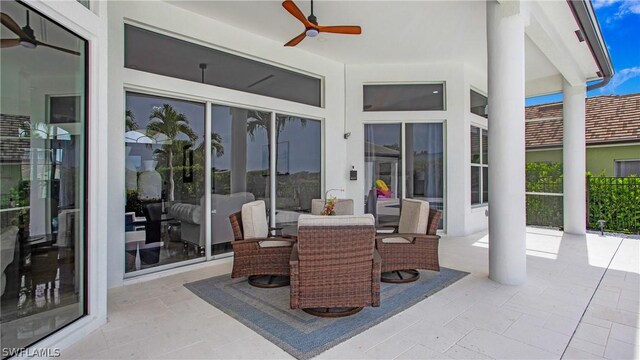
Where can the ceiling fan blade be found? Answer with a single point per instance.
(11, 25)
(294, 10)
(353, 30)
(5, 43)
(57, 48)
(296, 40)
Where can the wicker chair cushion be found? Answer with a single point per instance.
(254, 220)
(414, 217)
(274, 243)
(396, 240)
(338, 220)
(343, 206)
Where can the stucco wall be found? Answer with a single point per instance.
(598, 158)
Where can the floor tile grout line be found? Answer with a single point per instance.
(405, 351)
(591, 298)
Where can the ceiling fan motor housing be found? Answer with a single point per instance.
(28, 42)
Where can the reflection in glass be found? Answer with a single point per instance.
(164, 177)
(425, 161)
(479, 165)
(239, 166)
(478, 103)
(383, 171)
(298, 165)
(42, 192)
(485, 185)
(403, 97)
(475, 145)
(475, 184)
(485, 147)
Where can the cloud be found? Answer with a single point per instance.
(629, 7)
(598, 4)
(620, 8)
(620, 78)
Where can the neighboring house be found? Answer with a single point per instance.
(612, 134)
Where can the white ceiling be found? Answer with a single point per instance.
(392, 31)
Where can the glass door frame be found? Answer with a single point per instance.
(208, 103)
(403, 152)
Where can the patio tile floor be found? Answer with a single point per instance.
(475, 318)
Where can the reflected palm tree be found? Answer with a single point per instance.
(262, 120)
(167, 121)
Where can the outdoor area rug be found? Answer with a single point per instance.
(267, 311)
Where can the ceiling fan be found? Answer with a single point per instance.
(311, 27)
(26, 36)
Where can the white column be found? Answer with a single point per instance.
(573, 158)
(507, 224)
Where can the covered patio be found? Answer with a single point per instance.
(336, 113)
(580, 301)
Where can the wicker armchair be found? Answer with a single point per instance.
(405, 252)
(262, 260)
(335, 270)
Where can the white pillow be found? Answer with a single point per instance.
(254, 220)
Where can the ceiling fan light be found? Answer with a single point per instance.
(311, 32)
(28, 44)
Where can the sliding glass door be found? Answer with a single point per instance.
(43, 172)
(164, 180)
(240, 170)
(425, 163)
(241, 157)
(418, 148)
(298, 167)
(383, 171)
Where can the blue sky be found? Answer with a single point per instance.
(620, 24)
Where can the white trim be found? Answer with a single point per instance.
(162, 268)
(176, 270)
(75, 17)
(207, 180)
(273, 170)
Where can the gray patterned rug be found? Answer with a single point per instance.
(267, 311)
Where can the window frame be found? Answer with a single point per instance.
(617, 161)
(403, 180)
(482, 164)
(486, 110)
(209, 101)
(444, 95)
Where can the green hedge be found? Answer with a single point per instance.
(544, 210)
(615, 200)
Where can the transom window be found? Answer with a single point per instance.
(403, 97)
(168, 56)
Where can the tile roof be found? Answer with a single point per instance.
(609, 119)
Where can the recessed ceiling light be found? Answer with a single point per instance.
(435, 91)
